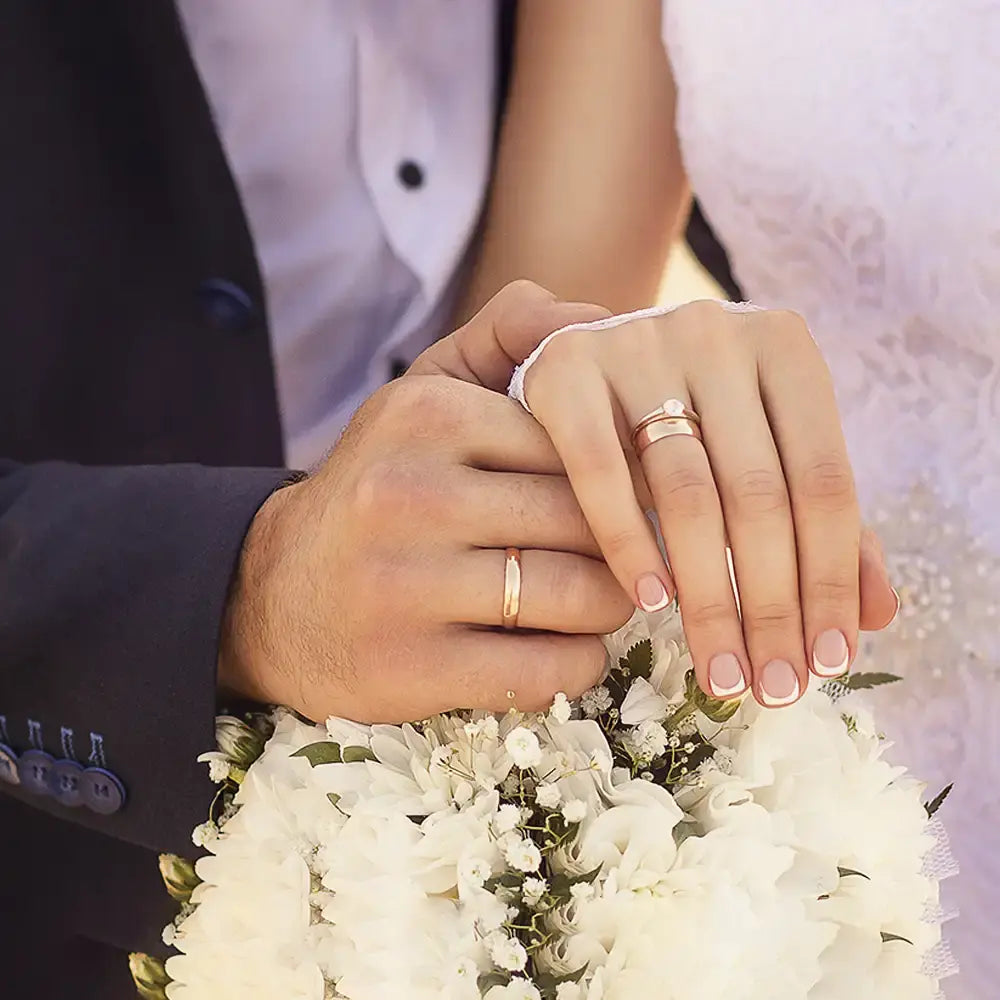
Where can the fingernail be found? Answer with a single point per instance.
(651, 593)
(831, 654)
(725, 675)
(779, 684)
(899, 604)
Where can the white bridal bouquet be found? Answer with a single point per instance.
(646, 842)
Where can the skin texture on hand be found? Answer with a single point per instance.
(374, 589)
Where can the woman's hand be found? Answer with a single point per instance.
(770, 478)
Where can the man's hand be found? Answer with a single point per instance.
(373, 589)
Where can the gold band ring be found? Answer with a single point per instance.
(665, 427)
(670, 419)
(511, 588)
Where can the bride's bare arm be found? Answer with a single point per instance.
(589, 184)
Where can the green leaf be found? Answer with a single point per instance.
(334, 798)
(586, 877)
(938, 800)
(712, 708)
(639, 659)
(488, 980)
(887, 937)
(506, 880)
(352, 755)
(325, 752)
(862, 682)
(844, 872)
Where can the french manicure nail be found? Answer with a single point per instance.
(652, 595)
(899, 603)
(725, 675)
(831, 654)
(779, 684)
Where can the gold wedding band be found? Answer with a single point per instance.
(671, 419)
(511, 588)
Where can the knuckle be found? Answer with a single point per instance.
(777, 617)
(523, 290)
(568, 349)
(619, 543)
(708, 616)
(832, 592)
(757, 492)
(422, 406)
(389, 489)
(827, 483)
(686, 491)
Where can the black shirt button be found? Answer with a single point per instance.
(225, 305)
(411, 175)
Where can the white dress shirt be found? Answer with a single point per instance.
(359, 133)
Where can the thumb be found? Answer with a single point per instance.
(502, 334)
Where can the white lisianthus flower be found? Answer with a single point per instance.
(370, 876)
(523, 854)
(547, 795)
(561, 710)
(533, 889)
(642, 703)
(522, 745)
(169, 935)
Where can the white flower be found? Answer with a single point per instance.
(643, 703)
(218, 765)
(595, 701)
(522, 745)
(440, 756)
(516, 989)
(581, 891)
(474, 871)
(169, 935)
(203, 834)
(533, 889)
(507, 818)
(523, 855)
(568, 991)
(508, 953)
(574, 811)
(547, 795)
(218, 770)
(561, 709)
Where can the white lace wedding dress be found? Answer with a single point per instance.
(847, 153)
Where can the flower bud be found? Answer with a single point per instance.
(178, 876)
(149, 976)
(241, 744)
